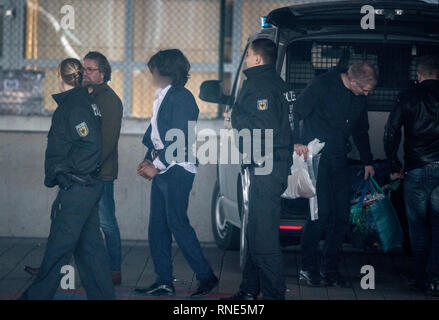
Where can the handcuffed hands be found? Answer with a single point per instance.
(147, 170)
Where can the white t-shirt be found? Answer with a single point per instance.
(155, 136)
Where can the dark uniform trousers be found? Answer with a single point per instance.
(75, 231)
(334, 193)
(263, 269)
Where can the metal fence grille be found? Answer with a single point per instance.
(128, 32)
(394, 63)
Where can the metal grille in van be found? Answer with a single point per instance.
(395, 65)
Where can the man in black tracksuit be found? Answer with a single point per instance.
(72, 162)
(333, 108)
(263, 103)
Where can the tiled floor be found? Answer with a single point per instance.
(390, 273)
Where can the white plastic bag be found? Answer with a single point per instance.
(299, 182)
(303, 178)
(313, 160)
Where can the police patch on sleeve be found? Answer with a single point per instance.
(262, 104)
(82, 129)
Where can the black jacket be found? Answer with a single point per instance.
(177, 110)
(264, 103)
(332, 113)
(112, 111)
(74, 142)
(417, 109)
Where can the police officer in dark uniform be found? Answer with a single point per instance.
(263, 104)
(72, 162)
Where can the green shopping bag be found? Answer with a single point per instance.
(374, 219)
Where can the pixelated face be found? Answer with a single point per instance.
(92, 74)
(158, 80)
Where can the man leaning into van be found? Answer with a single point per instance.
(333, 108)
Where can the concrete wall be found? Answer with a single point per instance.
(25, 202)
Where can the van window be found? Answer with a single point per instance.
(395, 64)
(240, 76)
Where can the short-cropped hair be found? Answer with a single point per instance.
(266, 49)
(428, 65)
(363, 72)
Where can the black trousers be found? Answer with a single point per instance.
(74, 231)
(263, 269)
(334, 192)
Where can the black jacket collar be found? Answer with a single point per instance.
(429, 83)
(259, 71)
(60, 97)
(97, 89)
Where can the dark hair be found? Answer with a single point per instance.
(266, 49)
(71, 70)
(428, 65)
(103, 64)
(171, 63)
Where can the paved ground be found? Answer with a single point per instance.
(390, 273)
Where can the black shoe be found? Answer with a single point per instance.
(157, 290)
(205, 287)
(31, 270)
(310, 278)
(418, 287)
(335, 280)
(433, 288)
(241, 295)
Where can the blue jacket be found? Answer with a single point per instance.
(177, 109)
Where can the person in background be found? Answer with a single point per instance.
(417, 110)
(333, 108)
(72, 162)
(97, 72)
(172, 180)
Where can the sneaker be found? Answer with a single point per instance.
(310, 278)
(335, 280)
(241, 295)
(157, 290)
(433, 288)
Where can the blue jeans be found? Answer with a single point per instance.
(168, 217)
(109, 226)
(421, 197)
